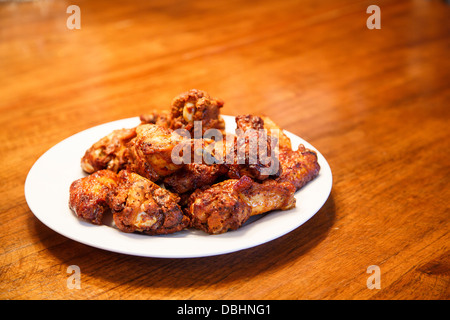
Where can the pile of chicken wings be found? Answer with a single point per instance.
(133, 176)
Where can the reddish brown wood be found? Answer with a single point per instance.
(374, 102)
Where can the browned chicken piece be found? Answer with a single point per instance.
(196, 105)
(283, 140)
(255, 151)
(89, 196)
(160, 118)
(269, 195)
(249, 122)
(109, 152)
(228, 204)
(149, 153)
(140, 205)
(193, 176)
(157, 152)
(298, 167)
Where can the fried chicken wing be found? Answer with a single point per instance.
(255, 151)
(298, 167)
(142, 206)
(245, 122)
(268, 196)
(90, 196)
(149, 153)
(219, 208)
(228, 204)
(109, 152)
(196, 105)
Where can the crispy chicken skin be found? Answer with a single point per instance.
(142, 206)
(89, 196)
(109, 152)
(249, 122)
(149, 153)
(193, 176)
(228, 204)
(196, 105)
(298, 167)
(219, 208)
(249, 159)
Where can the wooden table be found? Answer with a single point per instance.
(375, 102)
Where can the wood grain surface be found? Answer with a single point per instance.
(374, 102)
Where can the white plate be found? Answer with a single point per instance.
(47, 194)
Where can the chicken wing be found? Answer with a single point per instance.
(228, 204)
(298, 167)
(90, 196)
(255, 151)
(268, 196)
(149, 153)
(142, 206)
(109, 152)
(196, 105)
